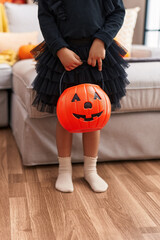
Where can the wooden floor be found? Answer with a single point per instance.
(31, 208)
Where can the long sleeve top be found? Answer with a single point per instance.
(62, 19)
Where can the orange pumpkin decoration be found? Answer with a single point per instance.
(83, 108)
(24, 51)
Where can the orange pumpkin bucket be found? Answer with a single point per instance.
(83, 108)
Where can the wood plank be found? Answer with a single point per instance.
(81, 224)
(142, 181)
(155, 179)
(152, 236)
(154, 165)
(31, 174)
(146, 168)
(20, 220)
(137, 198)
(103, 224)
(150, 230)
(13, 155)
(122, 210)
(55, 206)
(147, 212)
(5, 227)
(156, 198)
(17, 190)
(47, 173)
(40, 219)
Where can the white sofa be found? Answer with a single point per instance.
(131, 133)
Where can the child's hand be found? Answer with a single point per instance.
(97, 53)
(68, 58)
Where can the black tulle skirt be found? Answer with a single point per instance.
(52, 79)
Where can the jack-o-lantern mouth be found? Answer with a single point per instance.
(88, 119)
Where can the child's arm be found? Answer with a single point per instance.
(54, 39)
(115, 13)
(49, 28)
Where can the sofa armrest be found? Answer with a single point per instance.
(143, 51)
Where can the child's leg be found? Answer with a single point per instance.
(64, 144)
(90, 146)
(63, 141)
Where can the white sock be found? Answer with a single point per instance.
(64, 180)
(91, 176)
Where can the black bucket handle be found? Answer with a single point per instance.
(60, 81)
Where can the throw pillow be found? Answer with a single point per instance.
(125, 34)
(14, 40)
(23, 18)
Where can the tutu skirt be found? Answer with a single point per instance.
(52, 78)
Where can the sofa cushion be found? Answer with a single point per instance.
(5, 76)
(23, 18)
(144, 89)
(13, 41)
(142, 93)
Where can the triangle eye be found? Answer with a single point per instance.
(75, 98)
(97, 96)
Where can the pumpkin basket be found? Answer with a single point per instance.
(83, 108)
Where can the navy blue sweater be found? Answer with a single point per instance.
(62, 19)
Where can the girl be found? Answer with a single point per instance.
(78, 39)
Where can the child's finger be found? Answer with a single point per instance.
(89, 61)
(99, 64)
(68, 69)
(77, 57)
(77, 62)
(75, 65)
(71, 67)
(93, 62)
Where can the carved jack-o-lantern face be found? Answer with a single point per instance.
(83, 108)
